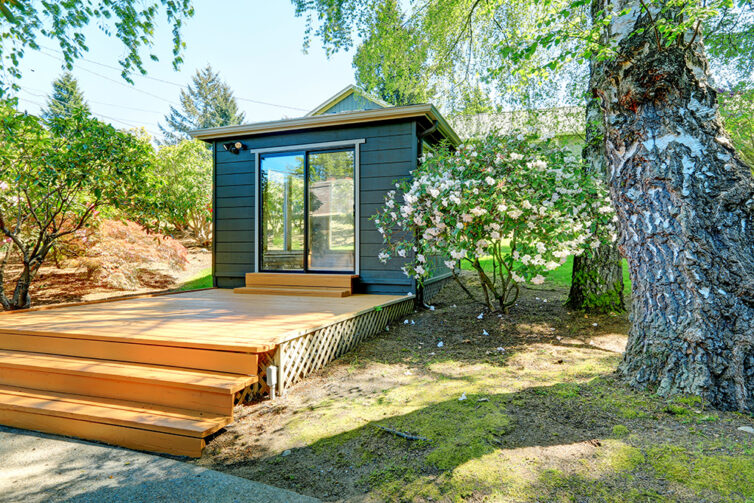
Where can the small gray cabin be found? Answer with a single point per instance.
(296, 195)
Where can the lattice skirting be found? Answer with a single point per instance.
(302, 355)
(434, 288)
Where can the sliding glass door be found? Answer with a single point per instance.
(308, 218)
(283, 222)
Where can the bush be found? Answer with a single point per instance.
(523, 192)
(113, 252)
(180, 196)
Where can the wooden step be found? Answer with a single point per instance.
(134, 352)
(176, 387)
(136, 426)
(307, 291)
(307, 280)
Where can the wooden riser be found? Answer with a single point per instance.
(129, 424)
(94, 386)
(203, 359)
(142, 440)
(294, 279)
(294, 291)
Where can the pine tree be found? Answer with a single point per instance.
(66, 98)
(206, 102)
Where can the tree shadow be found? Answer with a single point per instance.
(463, 436)
(540, 317)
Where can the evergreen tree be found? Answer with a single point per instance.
(66, 98)
(206, 102)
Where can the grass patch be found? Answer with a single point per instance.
(202, 280)
(731, 476)
(560, 276)
(620, 431)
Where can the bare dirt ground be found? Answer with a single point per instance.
(518, 407)
(55, 285)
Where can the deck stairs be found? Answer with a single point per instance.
(312, 284)
(142, 395)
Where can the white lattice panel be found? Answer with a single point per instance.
(301, 356)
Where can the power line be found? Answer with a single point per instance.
(27, 88)
(180, 86)
(63, 103)
(114, 81)
(40, 105)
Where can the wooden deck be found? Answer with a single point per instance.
(161, 373)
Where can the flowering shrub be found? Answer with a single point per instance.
(520, 200)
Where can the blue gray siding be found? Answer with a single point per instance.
(389, 153)
(354, 102)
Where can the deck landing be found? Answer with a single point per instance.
(160, 373)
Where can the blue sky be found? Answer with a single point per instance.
(256, 46)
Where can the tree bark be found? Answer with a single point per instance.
(597, 280)
(685, 201)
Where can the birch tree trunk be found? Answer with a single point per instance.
(685, 200)
(597, 280)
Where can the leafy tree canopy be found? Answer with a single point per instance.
(206, 102)
(180, 192)
(392, 62)
(54, 177)
(532, 53)
(66, 98)
(24, 23)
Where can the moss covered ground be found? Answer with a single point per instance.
(532, 412)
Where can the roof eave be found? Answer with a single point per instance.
(329, 120)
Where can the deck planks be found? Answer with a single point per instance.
(162, 372)
(209, 319)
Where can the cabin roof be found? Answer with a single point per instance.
(425, 111)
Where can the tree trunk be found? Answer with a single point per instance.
(21, 297)
(597, 280)
(685, 201)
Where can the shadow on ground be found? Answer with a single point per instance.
(518, 407)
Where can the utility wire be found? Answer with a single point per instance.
(41, 106)
(63, 103)
(27, 89)
(114, 81)
(180, 86)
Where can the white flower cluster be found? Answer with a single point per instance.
(487, 197)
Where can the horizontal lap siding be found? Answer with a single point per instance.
(384, 160)
(388, 154)
(234, 217)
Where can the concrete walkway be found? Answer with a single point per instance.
(35, 467)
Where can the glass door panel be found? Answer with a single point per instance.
(283, 225)
(331, 227)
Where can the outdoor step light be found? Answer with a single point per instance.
(272, 379)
